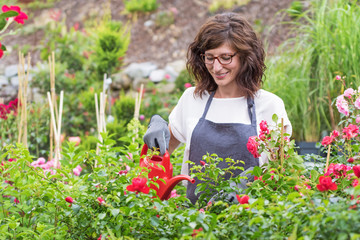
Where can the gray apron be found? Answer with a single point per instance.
(224, 139)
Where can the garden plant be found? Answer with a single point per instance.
(106, 194)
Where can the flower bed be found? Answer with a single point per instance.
(113, 200)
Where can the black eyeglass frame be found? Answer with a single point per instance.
(203, 55)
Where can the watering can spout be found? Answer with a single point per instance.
(171, 183)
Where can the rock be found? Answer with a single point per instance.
(3, 81)
(8, 93)
(177, 65)
(14, 81)
(140, 70)
(11, 71)
(148, 23)
(137, 83)
(168, 87)
(157, 75)
(120, 81)
(171, 74)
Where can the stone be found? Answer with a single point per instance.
(148, 23)
(3, 81)
(14, 81)
(177, 65)
(120, 81)
(157, 75)
(11, 71)
(171, 74)
(8, 93)
(140, 70)
(137, 82)
(168, 87)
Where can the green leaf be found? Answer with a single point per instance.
(257, 171)
(115, 212)
(275, 118)
(154, 221)
(102, 216)
(8, 14)
(2, 23)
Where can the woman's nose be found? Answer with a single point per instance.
(217, 65)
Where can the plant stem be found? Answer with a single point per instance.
(327, 158)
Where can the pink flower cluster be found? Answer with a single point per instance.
(329, 139)
(338, 170)
(253, 142)
(77, 170)
(349, 98)
(46, 166)
(7, 109)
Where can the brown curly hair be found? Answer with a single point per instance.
(233, 29)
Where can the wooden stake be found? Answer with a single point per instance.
(22, 99)
(327, 158)
(19, 116)
(56, 127)
(282, 144)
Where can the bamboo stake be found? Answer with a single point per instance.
(19, 100)
(327, 158)
(98, 125)
(57, 128)
(22, 99)
(25, 100)
(282, 144)
(53, 97)
(138, 97)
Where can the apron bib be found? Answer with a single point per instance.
(224, 139)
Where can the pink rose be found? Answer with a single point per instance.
(349, 92)
(76, 140)
(342, 105)
(350, 131)
(187, 85)
(326, 141)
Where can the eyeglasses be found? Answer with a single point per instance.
(223, 59)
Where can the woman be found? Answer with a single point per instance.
(225, 107)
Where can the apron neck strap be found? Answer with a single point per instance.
(208, 104)
(250, 103)
(251, 110)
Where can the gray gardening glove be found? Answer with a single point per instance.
(231, 197)
(158, 134)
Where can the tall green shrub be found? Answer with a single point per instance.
(112, 40)
(303, 72)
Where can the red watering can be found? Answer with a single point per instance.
(164, 190)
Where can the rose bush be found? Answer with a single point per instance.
(112, 200)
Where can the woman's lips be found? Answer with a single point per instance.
(220, 76)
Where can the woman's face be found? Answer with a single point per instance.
(224, 74)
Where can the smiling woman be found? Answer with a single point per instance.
(221, 112)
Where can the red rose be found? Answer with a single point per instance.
(101, 201)
(69, 199)
(252, 145)
(202, 163)
(243, 200)
(20, 17)
(138, 185)
(356, 170)
(325, 184)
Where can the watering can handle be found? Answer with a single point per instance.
(165, 158)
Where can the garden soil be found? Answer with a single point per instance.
(159, 45)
